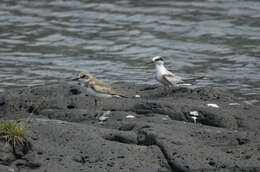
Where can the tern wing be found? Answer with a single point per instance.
(171, 79)
(104, 88)
(191, 80)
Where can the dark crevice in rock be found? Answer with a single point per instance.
(32, 165)
(242, 141)
(209, 119)
(149, 88)
(147, 139)
(75, 91)
(17, 154)
(171, 164)
(71, 107)
(2, 102)
(151, 107)
(22, 149)
(26, 164)
(120, 139)
(31, 109)
(81, 160)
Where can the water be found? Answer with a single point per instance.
(47, 41)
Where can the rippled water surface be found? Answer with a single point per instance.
(46, 41)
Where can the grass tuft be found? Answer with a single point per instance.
(13, 132)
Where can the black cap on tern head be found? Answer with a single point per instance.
(157, 58)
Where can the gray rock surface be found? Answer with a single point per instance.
(155, 132)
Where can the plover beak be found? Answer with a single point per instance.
(75, 79)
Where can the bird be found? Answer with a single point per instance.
(96, 88)
(167, 78)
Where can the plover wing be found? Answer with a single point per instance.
(101, 87)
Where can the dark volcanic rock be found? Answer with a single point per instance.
(78, 146)
(4, 168)
(155, 132)
(6, 153)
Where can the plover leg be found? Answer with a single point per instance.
(98, 108)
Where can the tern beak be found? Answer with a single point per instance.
(149, 63)
(75, 79)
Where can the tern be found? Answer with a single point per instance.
(167, 78)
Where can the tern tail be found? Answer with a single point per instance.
(191, 80)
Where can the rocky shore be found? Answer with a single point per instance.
(190, 129)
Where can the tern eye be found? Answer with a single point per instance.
(82, 76)
(159, 59)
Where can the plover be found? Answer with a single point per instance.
(97, 88)
(166, 77)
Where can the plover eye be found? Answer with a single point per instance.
(82, 76)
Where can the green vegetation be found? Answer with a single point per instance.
(13, 132)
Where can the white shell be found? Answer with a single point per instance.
(130, 116)
(213, 105)
(234, 104)
(103, 118)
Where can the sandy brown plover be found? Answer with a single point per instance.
(97, 88)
